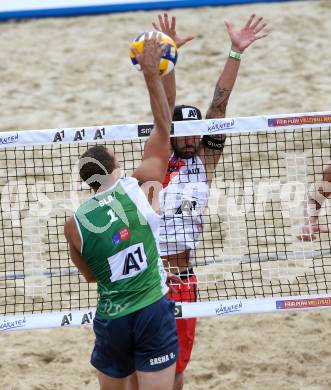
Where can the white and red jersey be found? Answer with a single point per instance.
(183, 201)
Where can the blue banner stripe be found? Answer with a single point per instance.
(100, 9)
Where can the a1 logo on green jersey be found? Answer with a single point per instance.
(135, 261)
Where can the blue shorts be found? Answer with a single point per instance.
(145, 340)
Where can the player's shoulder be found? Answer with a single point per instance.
(69, 226)
(70, 221)
(129, 181)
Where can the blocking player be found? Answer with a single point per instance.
(190, 172)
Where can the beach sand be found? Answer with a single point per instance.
(72, 72)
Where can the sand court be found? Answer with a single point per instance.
(59, 73)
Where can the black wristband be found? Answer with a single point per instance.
(213, 143)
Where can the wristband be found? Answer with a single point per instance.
(213, 143)
(235, 54)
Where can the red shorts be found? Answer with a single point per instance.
(187, 292)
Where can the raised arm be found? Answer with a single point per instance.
(212, 146)
(156, 153)
(169, 85)
(168, 81)
(240, 41)
(169, 28)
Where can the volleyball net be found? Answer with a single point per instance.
(249, 257)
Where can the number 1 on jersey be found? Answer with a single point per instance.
(112, 216)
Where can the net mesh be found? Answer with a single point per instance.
(249, 246)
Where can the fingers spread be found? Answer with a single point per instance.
(261, 36)
(152, 37)
(228, 25)
(161, 22)
(256, 23)
(259, 28)
(250, 20)
(188, 39)
(166, 21)
(173, 23)
(156, 27)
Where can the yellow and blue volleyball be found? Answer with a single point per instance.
(169, 57)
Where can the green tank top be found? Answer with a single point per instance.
(119, 233)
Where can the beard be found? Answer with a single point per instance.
(183, 152)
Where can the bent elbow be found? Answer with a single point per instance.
(90, 278)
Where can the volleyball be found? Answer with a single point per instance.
(169, 57)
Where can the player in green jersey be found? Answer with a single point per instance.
(113, 240)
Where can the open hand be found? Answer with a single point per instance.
(170, 30)
(241, 39)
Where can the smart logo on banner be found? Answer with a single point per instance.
(145, 130)
(299, 120)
